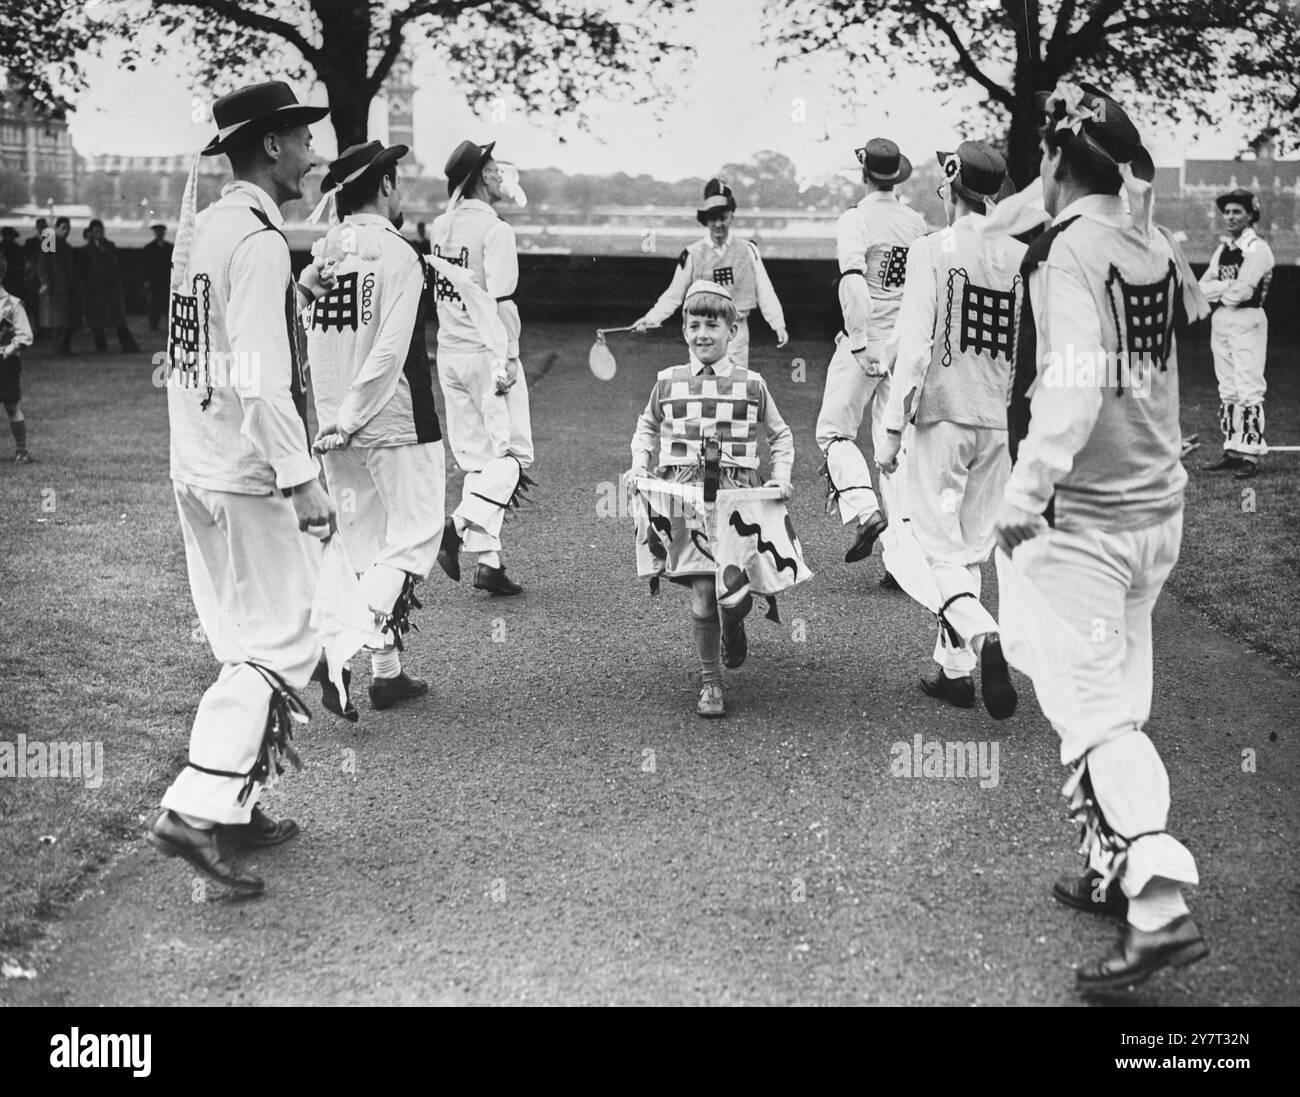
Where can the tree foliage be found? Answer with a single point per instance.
(1170, 56)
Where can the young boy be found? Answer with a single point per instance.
(711, 405)
(727, 260)
(15, 333)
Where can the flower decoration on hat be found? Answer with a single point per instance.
(1067, 106)
(952, 167)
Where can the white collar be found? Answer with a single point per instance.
(975, 220)
(878, 196)
(1106, 208)
(1248, 236)
(259, 198)
(476, 203)
(722, 367)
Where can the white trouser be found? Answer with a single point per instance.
(955, 478)
(252, 577)
(844, 401)
(1239, 342)
(1104, 586)
(390, 503)
(738, 348)
(482, 425)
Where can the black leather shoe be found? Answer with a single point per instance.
(386, 692)
(1138, 955)
(865, 541)
(1083, 893)
(449, 552)
(1227, 461)
(261, 831)
(888, 582)
(495, 581)
(329, 694)
(735, 645)
(995, 681)
(959, 692)
(173, 837)
(1247, 470)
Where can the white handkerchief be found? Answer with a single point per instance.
(339, 612)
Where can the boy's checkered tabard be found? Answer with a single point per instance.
(443, 289)
(695, 407)
(1144, 315)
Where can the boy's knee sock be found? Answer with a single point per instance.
(708, 642)
(18, 427)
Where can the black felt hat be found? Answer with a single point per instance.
(1243, 198)
(717, 196)
(882, 162)
(360, 160)
(466, 161)
(257, 109)
(976, 171)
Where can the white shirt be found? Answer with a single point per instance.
(1257, 265)
(250, 439)
(494, 260)
(1061, 418)
(11, 309)
(671, 299)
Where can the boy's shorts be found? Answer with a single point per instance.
(11, 370)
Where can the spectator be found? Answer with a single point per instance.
(32, 278)
(422, 244)
(56, 276)
(157, 256)
(102, 286)
(15, 280)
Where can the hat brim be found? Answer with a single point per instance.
(297, 114)
(379, 164)
(484, 155)
(703, 216)
(903, 173)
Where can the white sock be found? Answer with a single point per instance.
(490, 559)
(197, 824)
(1159, 903)
(385, 664)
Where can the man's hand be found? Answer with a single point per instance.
(1014, 526)
(643, 325)
(329, 437)
(782, 337)
(315, 511)
(315, 282)
(868, 365)
(787, 488)
(887, 454)
(505, 375)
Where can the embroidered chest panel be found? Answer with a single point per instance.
(444, 292)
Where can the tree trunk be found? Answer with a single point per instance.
(1023, 149)
(345, 40)
(349, 111)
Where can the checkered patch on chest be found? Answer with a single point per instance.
(1143, 315)
(893, 268)
(338, 308)
(1229, 272)
(988, 320)
(723, 276)
(443, 289)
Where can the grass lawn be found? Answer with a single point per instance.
(99, 638)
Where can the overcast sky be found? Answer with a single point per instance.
(733, 102)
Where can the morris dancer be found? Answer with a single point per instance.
(700, 429)
(872, 240)
(956, 337)
(1236, 283)
(488, 420)
(728, 260)
(1092, 515)
(245, 485)
(379, 432)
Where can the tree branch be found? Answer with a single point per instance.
(253, 20)
(964, 57)
(397, 30)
